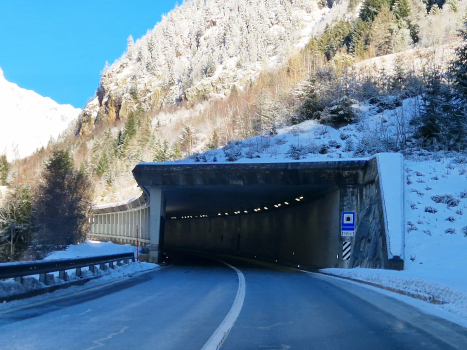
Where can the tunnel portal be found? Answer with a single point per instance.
(289, 213)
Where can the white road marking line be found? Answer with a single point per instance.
(218, 337)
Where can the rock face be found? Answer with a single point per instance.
(203, 49)
(28, 120)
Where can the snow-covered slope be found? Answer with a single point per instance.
(205, 49)
(28, 120)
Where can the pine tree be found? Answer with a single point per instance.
(15, 223)
(401, 9)
(130, 49)
(309, 95)
(442, 120)
(360, 38)
(459, 65)
(64, 199)
(371, 8)
(383, 32)
(4, 170)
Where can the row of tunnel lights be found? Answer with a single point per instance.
(298, 199)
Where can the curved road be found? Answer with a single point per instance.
(180, 307)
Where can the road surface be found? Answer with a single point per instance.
(181, 307)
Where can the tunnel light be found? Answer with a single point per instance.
(265, 208)
(226, 213)
(297, 199)
(219, 214)
(276, 260)
(279, 205)
(259, 209)
(301, 197)
(245, 211)
(286, 203)
(298, 265)
(275, 206)
(256, 209)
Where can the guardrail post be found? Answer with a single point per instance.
(103, 267)
(63, 275)
(91, 268)
(42, 278)
(119, 263)
(19, 279)
(78, 272)
(111, 264)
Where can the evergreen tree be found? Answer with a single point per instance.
(459, 65)
(4, 170)
(213, 142)
(442, 120)
(130, 49)
(15, 223)
(384, 32)
(360, 37)
(63, 202)
(371, 8)
(401, 9)
(309, 95)
(186, 139)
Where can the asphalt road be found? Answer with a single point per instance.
(181, 306)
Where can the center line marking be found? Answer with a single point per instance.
(218, 337)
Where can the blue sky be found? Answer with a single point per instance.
(59, 48)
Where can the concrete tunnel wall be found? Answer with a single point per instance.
(306, 235)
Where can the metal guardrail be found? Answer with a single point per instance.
(41, 268)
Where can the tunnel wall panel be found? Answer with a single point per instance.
(306, 235)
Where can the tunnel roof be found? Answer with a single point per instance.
(208, 188)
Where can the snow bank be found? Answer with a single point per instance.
(84, 250)
(91, 248)
(391, 177)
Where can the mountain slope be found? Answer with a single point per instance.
(28, 121)
(205, 49)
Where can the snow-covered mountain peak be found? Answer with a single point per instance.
(28, 120)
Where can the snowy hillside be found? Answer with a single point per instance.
(28, 120)
(205, 49)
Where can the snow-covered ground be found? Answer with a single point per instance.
(83, 250)
(29, 120)
(436, 234)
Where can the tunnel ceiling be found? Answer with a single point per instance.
(198, 189)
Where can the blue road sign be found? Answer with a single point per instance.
(348, 223)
